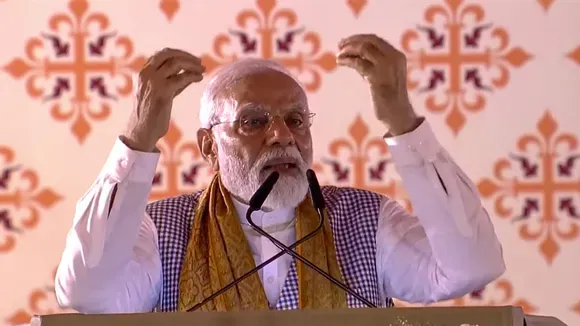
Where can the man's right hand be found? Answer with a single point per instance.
(165, 75)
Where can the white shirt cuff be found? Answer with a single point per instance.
(124, 163)
(415, 147)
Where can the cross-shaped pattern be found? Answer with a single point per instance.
(454, 58)
(79, 66)
(22, 199)
(542, 176)
(362, 162)
(270, 41)
(181, 168)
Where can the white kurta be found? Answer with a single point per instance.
(111, 262)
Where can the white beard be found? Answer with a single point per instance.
(243, 181)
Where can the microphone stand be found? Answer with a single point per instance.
(289, 251)
(257, 268)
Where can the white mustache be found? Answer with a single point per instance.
(288, 152)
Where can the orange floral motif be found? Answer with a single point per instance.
(274, 38)
(574, 55)
(452, 57)
(73, 62)
(21, 199)
(499, 293)
(181, 167)
(541, 178)
(362, 162)
(356, 6)
(169, 8)
(41, 301)
(546, 4)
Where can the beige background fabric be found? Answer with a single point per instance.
(498, 80)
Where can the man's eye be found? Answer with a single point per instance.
(254, 121)
(294, 122)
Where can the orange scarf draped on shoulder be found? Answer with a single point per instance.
(218, 253)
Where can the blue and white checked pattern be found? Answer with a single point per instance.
(354, 220)
(289, 295)
(173, 219)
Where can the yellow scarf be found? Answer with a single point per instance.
(218, 253)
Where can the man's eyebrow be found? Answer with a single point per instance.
(252, 105)
(299, 107)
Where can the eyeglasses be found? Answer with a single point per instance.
(252, 121)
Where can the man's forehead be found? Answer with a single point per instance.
(264, 83)
(270, 90)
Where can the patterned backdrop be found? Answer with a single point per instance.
(499, 81)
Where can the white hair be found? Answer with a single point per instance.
(211, 102)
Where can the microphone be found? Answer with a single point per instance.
(315, 191)
(318, 203)
(262, 193)
(255, 204)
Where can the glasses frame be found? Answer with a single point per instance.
(310, 117)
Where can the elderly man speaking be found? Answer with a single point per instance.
(125, 255)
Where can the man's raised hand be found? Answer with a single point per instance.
(164, 76)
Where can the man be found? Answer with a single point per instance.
(123, 255)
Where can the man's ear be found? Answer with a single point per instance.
(208, 148)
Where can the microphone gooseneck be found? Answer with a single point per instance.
(263, 191)
(315, 191)
(318, 203)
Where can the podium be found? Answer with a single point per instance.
(430, 316)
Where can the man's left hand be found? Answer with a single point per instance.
(385, 69)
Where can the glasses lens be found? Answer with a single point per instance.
(256, 120)
(253, 120)
(296, 120)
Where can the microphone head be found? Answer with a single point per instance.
(262, 193)
(315, 191)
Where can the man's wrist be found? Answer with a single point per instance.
(140, 146)
(404, 125)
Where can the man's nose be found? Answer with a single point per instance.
(278, 133)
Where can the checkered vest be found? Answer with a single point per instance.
(353, 217)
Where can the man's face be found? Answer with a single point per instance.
(271, 132)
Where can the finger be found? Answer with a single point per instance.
(364, 50)
(176, 65)
(162, 56)
(378, 42)
(159, 59)
(354, 38)
(362, 66)
(180, 82)
(178, 52)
